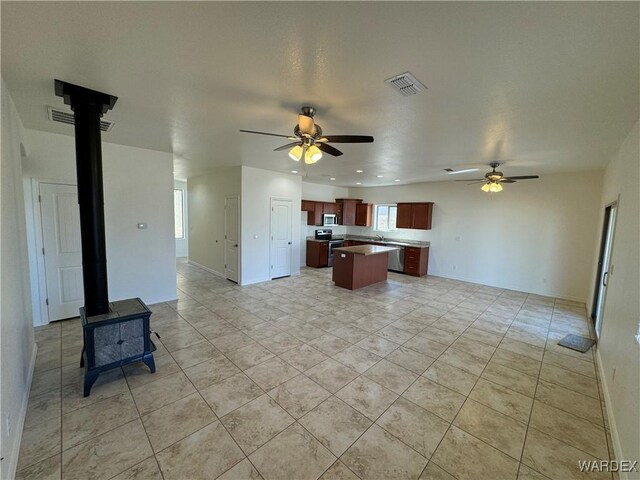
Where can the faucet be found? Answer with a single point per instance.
(380, 237)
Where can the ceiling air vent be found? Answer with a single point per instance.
(406, 84)
(64, 116)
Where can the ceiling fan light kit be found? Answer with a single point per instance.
(493, 187)
(296, 153)
(309, 142)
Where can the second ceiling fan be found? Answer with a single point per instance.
(493, 180)
(308, 140)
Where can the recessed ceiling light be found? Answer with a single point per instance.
(358, 183)
(332, 178)
(397, 180)
(294, 171)
(359, 171)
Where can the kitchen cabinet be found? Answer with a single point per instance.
(347, 210)
(414, 215)
(416, 261)
(315, 210)
(317, 254)
(363, 214)
(329, 208)
(308, 206)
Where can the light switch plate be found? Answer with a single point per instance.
(142, 226)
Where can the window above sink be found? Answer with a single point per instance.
(384, 218)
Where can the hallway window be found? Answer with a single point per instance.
(178, 207)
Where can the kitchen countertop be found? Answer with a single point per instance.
(387, 241)
(365, 249)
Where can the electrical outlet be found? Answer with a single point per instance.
(454, 267)
(544, 280)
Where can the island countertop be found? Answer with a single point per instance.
(366, 249)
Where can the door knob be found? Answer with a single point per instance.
(289, 243)
(604, 279)
(235, 245)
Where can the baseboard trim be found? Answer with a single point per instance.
(514, 288)
(15, 449)
(617, 447)
(161, 300)
(207, 269)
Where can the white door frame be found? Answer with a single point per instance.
(602, 301)
(283, 199)
(38, 245)
(226, 258)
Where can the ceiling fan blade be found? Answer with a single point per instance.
(523, 177)
(329, 149)
(347, 138)
(270, 134)
(473, 183)
(506, 180)
(473, 180)
(285, 147)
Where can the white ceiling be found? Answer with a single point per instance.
(543, 86)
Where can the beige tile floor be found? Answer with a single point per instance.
(296, 379)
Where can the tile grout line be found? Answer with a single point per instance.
(526, 435)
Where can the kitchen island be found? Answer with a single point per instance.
(360, 266)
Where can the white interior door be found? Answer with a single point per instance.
(606, 267)
(281, 237)
(231, 238)
(62, 249)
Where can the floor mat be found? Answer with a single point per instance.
(576, 342)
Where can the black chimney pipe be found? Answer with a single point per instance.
(88, 106)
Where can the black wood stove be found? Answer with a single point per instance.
(117, 333)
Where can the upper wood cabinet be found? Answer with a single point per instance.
(315, 210)
(308, 206)
(329, 208)
(347, 210)
(363, 214)
(414, 215)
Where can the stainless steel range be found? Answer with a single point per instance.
(327, 234)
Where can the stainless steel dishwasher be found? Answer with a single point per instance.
(396, 259)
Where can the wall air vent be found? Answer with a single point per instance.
(65, 116)
(406, 84)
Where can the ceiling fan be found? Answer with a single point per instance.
(309, 142)
(493, 180)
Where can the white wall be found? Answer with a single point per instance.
(207, 195)
(258, 188)
(320, 193)
(138, 187)
(16, 330)
(182, 244)
(617, 348)
(534, 236)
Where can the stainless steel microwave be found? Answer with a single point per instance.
(329, 220)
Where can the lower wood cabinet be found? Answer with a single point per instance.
(416, 261)
(317, 254)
